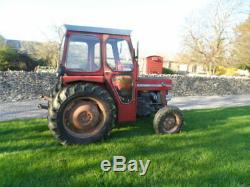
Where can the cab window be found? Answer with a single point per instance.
(118, 55)
(83, 54)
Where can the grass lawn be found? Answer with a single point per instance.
(212, 150)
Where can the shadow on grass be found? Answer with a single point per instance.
(203, 119)
(212, 140)
(22, 126)
(57, 173)
(203, 127)
(194, 120)
(214, 144)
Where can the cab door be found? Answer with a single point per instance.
(119, 74)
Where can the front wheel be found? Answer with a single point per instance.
(168, 120)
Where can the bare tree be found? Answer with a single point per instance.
(50, 50)
(208, 38)
(59, 32)
(241, 53)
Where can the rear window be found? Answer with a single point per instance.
(83, 53)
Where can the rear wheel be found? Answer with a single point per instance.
(81, 114)
(168, 120)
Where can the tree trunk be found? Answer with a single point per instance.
(214, 68)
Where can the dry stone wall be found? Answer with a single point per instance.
(208, 85)
(16, 86)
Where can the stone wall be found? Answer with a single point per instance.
(208, 86)
(16, 86)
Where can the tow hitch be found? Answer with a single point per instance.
(46, 98)
(44, 106)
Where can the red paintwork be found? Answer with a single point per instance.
(123, 82)
(104, 76)
(166, 84)
(69, 79)
(154, 65)
(126, 112)
(74, 73)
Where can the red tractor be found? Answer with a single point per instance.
(98, 85)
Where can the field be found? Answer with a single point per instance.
(213, 149)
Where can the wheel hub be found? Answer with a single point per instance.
(84, 115)
(169, 122)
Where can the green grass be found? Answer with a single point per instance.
(212, 150)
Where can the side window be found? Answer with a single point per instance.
(110, 56)
(118, 55)
(124, 53)
(77, 57)
(83, 53)
(97, 57)
(97, 54)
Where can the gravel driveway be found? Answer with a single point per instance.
(28, 109)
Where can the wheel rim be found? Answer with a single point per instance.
(83, 117)
(169, 123)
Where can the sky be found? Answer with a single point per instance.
(156, 24)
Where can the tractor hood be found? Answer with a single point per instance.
(153, 83)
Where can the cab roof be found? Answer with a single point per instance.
(98, 30)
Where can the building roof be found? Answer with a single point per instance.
(15, 44)
(98, 30)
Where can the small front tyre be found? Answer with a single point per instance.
(168, 120)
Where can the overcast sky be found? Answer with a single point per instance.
(157, 24)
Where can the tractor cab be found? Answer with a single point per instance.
(87, 47)
(105, 56)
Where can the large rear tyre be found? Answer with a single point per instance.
(56, 88)
(81, 114)
(168, 120)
